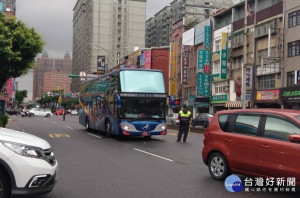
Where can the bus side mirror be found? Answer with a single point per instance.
(119, 101)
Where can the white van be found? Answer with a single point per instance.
(27, 164)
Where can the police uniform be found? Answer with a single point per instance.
(184, 118)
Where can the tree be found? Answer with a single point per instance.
(20, 95)
(19, 45)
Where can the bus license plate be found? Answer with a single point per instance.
(145, 133)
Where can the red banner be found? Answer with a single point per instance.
(267, 95)
(10, 87)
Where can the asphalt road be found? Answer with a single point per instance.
(93, 166)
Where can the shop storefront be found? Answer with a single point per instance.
(290, 97)
(268, 99)
(202, 105)
(218, 102)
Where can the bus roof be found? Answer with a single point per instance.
(117, 71)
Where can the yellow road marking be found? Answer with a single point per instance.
(59, 135)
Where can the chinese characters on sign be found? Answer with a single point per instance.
(270, 184)
(249, 76)
(203, 81)
(203, 84)
(267, 95)
(219, 99)
(173, 69)
(207, 38)
(185, 65)
(224, 55)
(101, 65)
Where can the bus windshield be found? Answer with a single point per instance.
(142, 81)
(143, 108)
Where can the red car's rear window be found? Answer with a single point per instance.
(298, 117)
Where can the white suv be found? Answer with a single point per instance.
(27, 164)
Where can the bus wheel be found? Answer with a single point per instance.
(107, 128)
(87, 125)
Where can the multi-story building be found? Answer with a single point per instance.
(290, 93)
(158, 28)
(46, 64)
(110, 28)
(56, 79)
(8, 7)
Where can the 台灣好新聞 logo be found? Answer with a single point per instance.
(233, 184)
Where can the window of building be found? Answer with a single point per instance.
(118, 46)
(118, 54)
(119, 24)
(246, 124)
(266, 82)
(290, 78)
(220, 87)
(294, 19)
(119, 9)
(263, 54)
(119, 16)
(279, 129)
(120, 1)
(237, 62)
(216, 66)
(218, 44)
(119, 39)
(119, 31)
(294, 48)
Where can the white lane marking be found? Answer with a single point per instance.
(95, 135)
(53, 122)
(69, 127)
(153, 154)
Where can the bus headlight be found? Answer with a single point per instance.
(128, 127)
(161, 127)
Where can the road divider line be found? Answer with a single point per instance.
(95, 135)
(153, 154)
(69, 127)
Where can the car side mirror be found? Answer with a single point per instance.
(294, 138)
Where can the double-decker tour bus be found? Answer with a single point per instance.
(128, 102)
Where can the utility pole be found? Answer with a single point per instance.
(245, 56)
(254, 56)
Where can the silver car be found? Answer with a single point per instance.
(41, 112)
(172, 119)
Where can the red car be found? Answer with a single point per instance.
(59, 112)
(255, 142)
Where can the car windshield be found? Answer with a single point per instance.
(143, 108)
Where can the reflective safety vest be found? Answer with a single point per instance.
(186, 115)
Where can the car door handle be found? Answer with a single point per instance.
(228, 140)
(264, 146)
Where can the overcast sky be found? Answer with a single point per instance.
(53, 20)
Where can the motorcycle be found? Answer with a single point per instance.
(26, 114)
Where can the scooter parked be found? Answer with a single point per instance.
(26, 114)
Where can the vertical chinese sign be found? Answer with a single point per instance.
(148, 59)
(185, 63)
(203, 78)
(10, 87)
(101, 65)
(224, 55)
(173, 69)
(207, 38)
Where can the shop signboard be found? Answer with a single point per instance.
(219, 99)
(203, 84)
(290, 93)
(267, 95)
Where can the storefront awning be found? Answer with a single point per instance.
(237, 104)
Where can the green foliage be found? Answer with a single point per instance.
(20, 95)
(3, 120)
(19, 45)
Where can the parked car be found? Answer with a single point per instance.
(203, 119)
(74, 112)
(255, 142)
(11, 111)
(172, 119)
(27, 164)
(40, 112)
(69, 111)
(59, 112)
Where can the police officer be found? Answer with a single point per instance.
(185, 117)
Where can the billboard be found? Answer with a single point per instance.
(204, 61)
(10, 87)
(200, 31)
(188, 37)
(101, 65)
(249, 77)
(203, 84)
(267, 95)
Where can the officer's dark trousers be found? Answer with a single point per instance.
(183, 129)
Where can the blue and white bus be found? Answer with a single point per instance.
(127, 102)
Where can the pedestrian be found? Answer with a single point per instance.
(185, 117)
(64, 114)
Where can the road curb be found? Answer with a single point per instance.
(193, 129)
